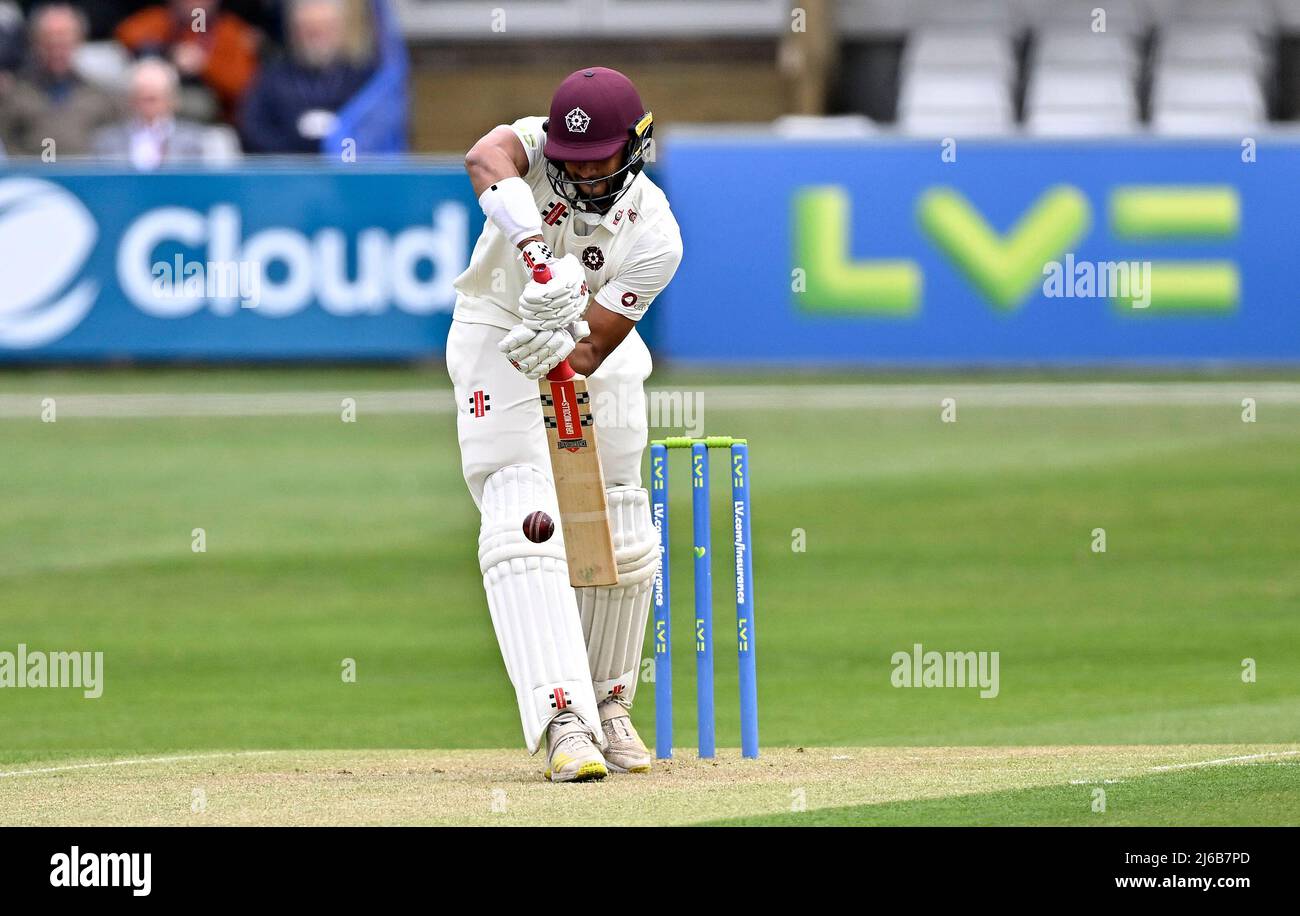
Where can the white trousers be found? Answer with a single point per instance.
(556, 654)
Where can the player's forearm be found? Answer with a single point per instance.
(586, 357)
(487, 164)
(496, 166)
(608, 330)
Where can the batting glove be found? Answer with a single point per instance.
(535, 353)
(558, 302)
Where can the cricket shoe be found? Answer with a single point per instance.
(571, 755)
(625, 752)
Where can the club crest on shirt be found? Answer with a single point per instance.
(593, 258)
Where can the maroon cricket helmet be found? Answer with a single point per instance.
(595, 113)
(591, 115)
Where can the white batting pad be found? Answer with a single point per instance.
(534, 611)
(614, 617)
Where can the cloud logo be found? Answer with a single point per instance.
(46, 236)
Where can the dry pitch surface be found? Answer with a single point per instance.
(503, 787)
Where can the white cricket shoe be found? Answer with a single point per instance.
(625, 752)
(571, 755)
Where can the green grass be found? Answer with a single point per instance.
(329, 541)
(1262, 794)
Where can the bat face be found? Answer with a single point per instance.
(569, 413)
(579, 481)
(575, 465)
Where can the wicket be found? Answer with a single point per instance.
(744, 582)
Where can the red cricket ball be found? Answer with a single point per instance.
(538, 527)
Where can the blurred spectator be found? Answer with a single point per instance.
(265, 15)
(207, 45)
(102, 16)
(48, 101)
(294, 103)
(152, 135)
(11, 38)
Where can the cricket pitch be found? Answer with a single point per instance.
(926, 785)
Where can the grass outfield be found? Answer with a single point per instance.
(329, 541)
(1173, 785)
(1249, 793)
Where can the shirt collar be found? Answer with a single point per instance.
(617, 217)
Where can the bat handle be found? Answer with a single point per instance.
(563, 372)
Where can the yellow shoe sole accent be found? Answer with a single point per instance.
(588, 772)
(592, 770)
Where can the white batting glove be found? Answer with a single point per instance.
(535, 353)
(559, 302)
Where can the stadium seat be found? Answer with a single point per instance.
(1256, 15)
(1191, 88)
(994, 15)
(1081, 89)
(1060, 47)
(1081, 101)
(817, 127)
(946, 103)
(1123, 17)
(981, 50)
(1073, 122)
(1187, 100)
(957, 123)
(1288, 15)
(1204, 122)
(1200, 45)
(957, 81)
(1083, 83)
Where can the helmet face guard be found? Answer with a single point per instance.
(635, 153)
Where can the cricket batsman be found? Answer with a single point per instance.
(567, 191)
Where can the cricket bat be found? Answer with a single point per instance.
(575, 466)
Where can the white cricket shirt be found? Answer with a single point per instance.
(629, 256)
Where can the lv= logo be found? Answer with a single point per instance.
(1005, 268)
